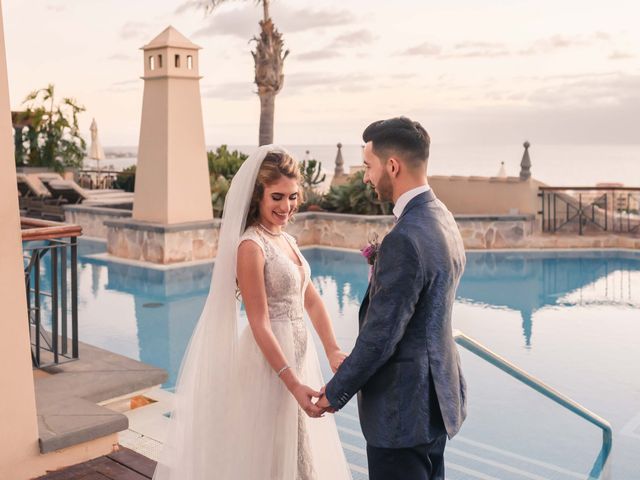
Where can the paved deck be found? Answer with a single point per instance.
(124, 464)
(67, 398)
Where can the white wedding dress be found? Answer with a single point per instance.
(297, 447)
(233, 417)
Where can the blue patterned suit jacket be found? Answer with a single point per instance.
(405, 366)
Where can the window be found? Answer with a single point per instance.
(177, 61)
(159, 61)
(189, 62)
(152, 63)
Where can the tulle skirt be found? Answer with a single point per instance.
(250, 429)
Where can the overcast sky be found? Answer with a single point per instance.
(487, 72)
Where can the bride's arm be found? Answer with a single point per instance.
(319, 316)
(250, 272)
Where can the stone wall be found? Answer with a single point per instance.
(338, 230)
(353, 231)
(502, 231)
(162, 244)
(92, 219)
(199, 240)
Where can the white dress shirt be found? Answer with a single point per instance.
(406, 197)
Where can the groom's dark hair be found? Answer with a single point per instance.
(400, 137)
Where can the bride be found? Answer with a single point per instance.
(243, 403)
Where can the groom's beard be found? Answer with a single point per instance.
(384, 189)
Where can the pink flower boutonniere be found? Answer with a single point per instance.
(370, 252)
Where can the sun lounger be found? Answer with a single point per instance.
(74, 194)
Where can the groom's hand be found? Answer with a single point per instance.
(323, 403)
(304, 396)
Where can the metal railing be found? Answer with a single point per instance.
(539, 386)
(50, 251)
(613, 209)
(105, 179)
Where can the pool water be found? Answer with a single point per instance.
(572, 319)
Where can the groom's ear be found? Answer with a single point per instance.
(393, 166)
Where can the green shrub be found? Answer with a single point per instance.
(355, 197)
(51, 137)
(225, 163)
(219, 189)
(126, 179)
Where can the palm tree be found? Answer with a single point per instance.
(269, 60)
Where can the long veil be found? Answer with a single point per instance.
(202, 398)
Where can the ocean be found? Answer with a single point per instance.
(555, 165)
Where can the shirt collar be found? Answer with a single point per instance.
(406, 197)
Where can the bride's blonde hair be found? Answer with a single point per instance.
(274, 166)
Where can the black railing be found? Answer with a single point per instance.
(605, 209)
(50, 252)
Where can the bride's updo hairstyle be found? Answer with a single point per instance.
(274, 166)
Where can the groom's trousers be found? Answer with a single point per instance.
(422, 462)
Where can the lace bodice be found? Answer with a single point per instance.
(285, 282)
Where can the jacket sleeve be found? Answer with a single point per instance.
(398, 280)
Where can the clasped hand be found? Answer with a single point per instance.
(304, 395)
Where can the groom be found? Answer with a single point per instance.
(405, 365)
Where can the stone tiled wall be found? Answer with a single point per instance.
(495, 232)
(353, 231)
(92, 219)
(162, 244)
(338, 230)
(199, 240)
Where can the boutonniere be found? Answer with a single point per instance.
(370, 251)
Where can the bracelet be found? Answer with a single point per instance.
(283, 369)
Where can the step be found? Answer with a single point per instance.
(67, 397)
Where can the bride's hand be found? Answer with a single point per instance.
(336, 358)
(304, 396)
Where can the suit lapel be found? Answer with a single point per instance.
(364, 305)
(420, 199)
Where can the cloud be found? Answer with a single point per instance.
(294, 84)
(560, 42)
(485, 49)
(459, 50)
(134, 30)
(321, 81)
(55, 7)
(318, 55)
(341, 42)
(190, 5)
(425, 49)
(230, 91)
(475, 45)
(353, 39)
(237, 22)
(125, 86)
(478, 53)
(589, 91)
(618, 55)
(243, 22)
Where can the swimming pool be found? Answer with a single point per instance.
(570, 318)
